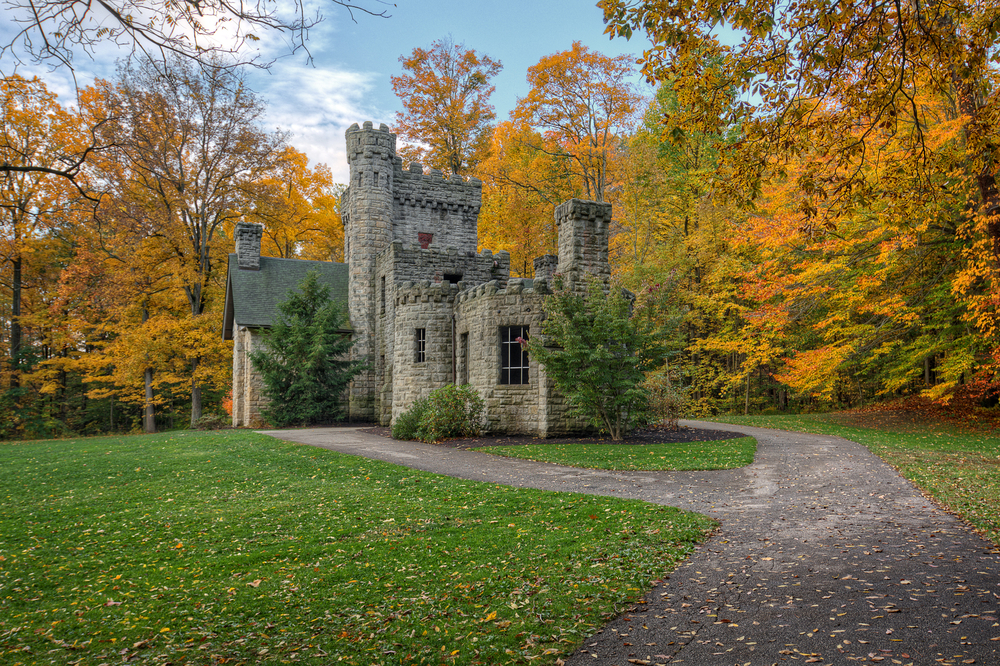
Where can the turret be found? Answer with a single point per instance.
(366, 210)
(583, 242)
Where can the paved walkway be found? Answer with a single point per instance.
(825, 555)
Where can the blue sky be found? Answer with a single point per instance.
(348, 81)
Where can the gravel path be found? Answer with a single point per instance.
(825, 555)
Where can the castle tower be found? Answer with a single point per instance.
(367, 214)
(583, 242)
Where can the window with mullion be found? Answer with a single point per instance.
(513, 358)
(420, 345)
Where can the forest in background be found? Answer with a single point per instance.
(817, 205)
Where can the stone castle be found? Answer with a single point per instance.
(425, 308)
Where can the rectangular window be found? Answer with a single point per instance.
(383, 294)
(513, 359)
(420, 345)
(463, 359)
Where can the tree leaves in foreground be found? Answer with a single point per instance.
(303, 358)
(597, 351)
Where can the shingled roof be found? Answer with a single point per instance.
(252, 296)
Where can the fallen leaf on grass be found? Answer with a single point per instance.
(255, 583)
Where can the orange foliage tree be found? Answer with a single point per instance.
(187, 148)
(884, 117)
(584, 103)
(522, 183)
(298, 207)
(447, 115)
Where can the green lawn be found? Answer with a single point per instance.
(210, 548)
(960, 467)
(723, 454)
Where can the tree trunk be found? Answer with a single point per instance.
(195, 396)
(149, 416)
(15, 326)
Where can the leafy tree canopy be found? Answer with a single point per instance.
(597, 350)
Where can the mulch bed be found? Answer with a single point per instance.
(639, 437)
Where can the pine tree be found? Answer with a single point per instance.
(303, 359)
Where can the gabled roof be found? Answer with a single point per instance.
(252, 297)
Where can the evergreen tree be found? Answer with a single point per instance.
(303, 359)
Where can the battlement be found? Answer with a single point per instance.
(425, 291)
(409, 262)
(412, 187)
(369, 142)
(515, 286)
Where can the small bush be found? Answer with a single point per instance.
(211, 422)
(407, 425)
(450, 411)
(667, 399)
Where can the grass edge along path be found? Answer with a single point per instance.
(670, 456)
(233, 547)
(959, 469)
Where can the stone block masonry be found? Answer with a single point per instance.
(248, 384)
(531, 408)
(583, 242)
(444, 212)
(248, 237)
(367, 214)
(423, 349)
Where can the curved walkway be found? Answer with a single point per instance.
(825, 555)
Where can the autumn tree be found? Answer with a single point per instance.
(585, 104)
(522, 183)
(445, 92)
(298, 207)
(846, 87)
(34, 129)
(188, 145)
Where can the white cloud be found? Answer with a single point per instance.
(317, 105)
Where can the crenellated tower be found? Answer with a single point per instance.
(583, 243)
(367, 215)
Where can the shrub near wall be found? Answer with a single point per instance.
(450, 411)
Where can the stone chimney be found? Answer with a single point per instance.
(583, 243)
(248, 237)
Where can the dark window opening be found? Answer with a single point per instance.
(513, 358)
(453, 278)
(420, 345)
(463, 356)
(383, 294)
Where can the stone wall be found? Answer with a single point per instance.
(401, 263)
(428, 307)
(248, 385)
(445, 209)
(535, 408)
(583, 242)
